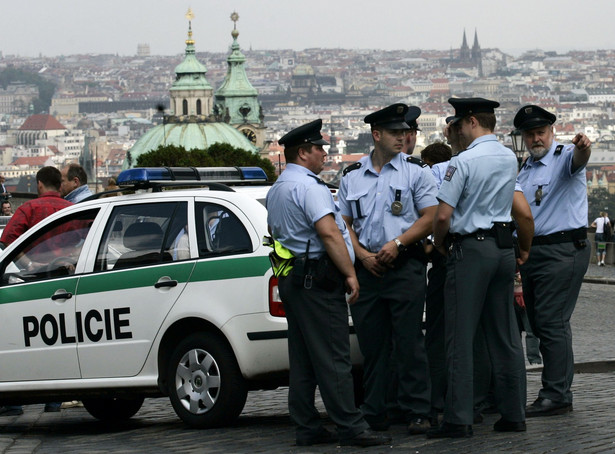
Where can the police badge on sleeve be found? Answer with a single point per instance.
(450, 171)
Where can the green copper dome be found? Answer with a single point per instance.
(191, 136)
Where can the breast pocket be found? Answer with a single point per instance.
(399, 200)
(358, 203)
(540, 189)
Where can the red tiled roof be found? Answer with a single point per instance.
(33, 161)
(41, 122)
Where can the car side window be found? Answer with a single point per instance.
(52, 252)
(219, 231)
(143, 234)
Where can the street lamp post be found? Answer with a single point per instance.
(518, 146)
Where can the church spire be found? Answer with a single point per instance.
(464, 52)
(236, 92)
(191, 94)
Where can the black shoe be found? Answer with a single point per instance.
(503, 425)
(378, 425)
(547, 407)
(9, 411)
(418, 425)
(448, 430)
(323, 437)
(52, 408)
(367, 438)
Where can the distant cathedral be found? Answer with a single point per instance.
(472, 56)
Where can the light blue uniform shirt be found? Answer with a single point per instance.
(564, 195)
(480, 183)
(295, 203)
(367, 196)
(439, 171)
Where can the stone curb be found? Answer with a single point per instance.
(590, 367)
(598, 280)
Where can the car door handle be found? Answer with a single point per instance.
(62, 296)
(171, 283)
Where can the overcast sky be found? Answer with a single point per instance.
(63, 27)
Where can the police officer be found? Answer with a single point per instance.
(476, 199)
(304, 219)
(388, 198)
(411, 116)
(554, 183)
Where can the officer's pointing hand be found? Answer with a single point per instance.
(582, 142)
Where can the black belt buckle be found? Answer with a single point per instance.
(480, 236)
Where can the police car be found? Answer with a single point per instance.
(156, 293)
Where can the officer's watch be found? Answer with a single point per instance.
(400, 245)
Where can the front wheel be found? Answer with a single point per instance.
(205, 387)
(113, 408)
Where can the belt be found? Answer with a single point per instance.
(480, 234)
(567, 236)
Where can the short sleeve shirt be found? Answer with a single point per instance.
(563, 194)
(480, 183)
(367, 197)
(296, 201)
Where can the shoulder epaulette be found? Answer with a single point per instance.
(417, 161)
(317, 179)
(558, 150)
(350, 168)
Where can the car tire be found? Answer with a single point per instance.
(205, 385)
(113, 408)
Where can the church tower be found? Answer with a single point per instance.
(237, 100)
(464, 52)
(191, 94)
(477, 55)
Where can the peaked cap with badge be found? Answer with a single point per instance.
(411, 117)
(307, 133)
(469, 106)
(391, 117)
(530, 116)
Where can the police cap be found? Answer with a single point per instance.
(469, 106)
(308, 133)
(530, 117)
(392, 117)
(411, 116)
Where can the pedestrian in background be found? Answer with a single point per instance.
(554, 184)
(388, 201)
(74, 183)
(602, 225)
(303, 217)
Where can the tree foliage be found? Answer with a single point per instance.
(45, 88)
(600, 200)
(217, 155)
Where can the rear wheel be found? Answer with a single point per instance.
(205, 384)
(113, 408)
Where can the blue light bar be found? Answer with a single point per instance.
(148, 175)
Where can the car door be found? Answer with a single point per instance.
(40, 276)
(143, 262)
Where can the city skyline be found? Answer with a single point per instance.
(68, 27)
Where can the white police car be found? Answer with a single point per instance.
(120, 298)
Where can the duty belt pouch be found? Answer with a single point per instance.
(299, 271)
(326, 275)
(503, 235)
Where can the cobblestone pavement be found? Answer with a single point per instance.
(265, 426)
